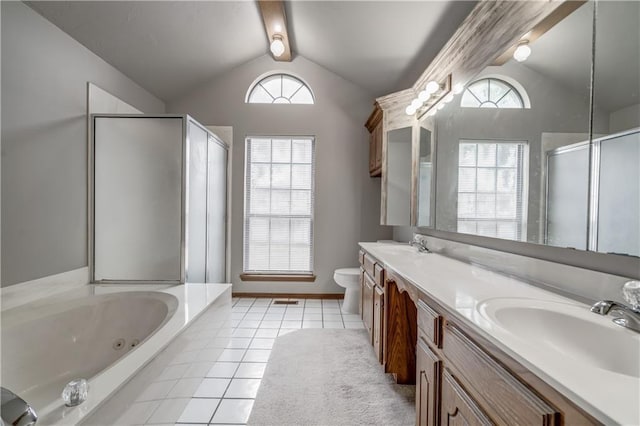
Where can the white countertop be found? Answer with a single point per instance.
(608, 396)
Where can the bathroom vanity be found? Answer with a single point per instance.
(483, 348)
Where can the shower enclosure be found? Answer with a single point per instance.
(159, 200)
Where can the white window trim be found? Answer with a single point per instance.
(276, 72)
(254, 275)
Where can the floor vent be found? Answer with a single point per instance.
(285, 302)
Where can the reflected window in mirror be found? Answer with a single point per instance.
(492, 93)
(491, 183)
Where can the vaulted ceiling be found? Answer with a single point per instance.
(171, 47)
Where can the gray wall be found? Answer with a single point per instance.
(44, 137)
(347, 200)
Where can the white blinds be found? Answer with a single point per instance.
(490, 189)
(278, 217)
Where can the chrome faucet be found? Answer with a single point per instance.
(15, 411)
(627, 316)
(421, 244)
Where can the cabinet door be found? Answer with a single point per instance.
(428, 377)
(367, 305)
(377, 136)
(458, 408)
(378, 322)
(372, 152)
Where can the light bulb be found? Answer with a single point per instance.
(432, 87)
(277, 46)
(522, 52)
(416, 103)
(448, 98)
(277, 28)
(423, 96)
(458, 88)
(440, 106)
(410, 110)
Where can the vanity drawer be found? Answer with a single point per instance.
(430, 323)
(378, 275)
(369, 264)
(510, 401)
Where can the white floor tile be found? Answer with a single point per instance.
(311, 324)
(333, 324)
(235, 323)
(317, 310)
(184, 357)
(223, 369)
(257, 355)
(240, 309)
(233, 411)
(267, 333)
(156, 390)
(199, 410)
(291, 324)
(270, 324)
(244, 332)
(169, 410)
(185, 388)
(332, 317)
(251, 316)
(332, 311)
(245, 301)
(330, 302)
(211, 388)
(250, 370)
(292, 317)
(351, 317)
(199, 369)
(261, 343)
(262, 301)
(239, 343)
(249, 324)
(284, 331)
(258, 309)
(242, 388)
(237, 315)
(353, 324)
(138, 413)
(173, 372)
(210, 355)
(231, 355)
(312, 317)
(273, 317)
(313, 303)
(291, 310)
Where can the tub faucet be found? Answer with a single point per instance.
(15, 411)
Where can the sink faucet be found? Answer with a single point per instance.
(421, 244)
(627, 316)
(15, 410)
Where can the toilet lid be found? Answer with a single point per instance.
(348, 271)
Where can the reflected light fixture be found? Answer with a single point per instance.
(423, 96)
(522, 52)
(416, 103)
(410, 110)
(440, 106)
(277, 45)
(448, 98)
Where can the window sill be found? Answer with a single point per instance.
(275, 277)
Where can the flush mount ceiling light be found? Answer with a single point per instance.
(522, 52)
(277, 45)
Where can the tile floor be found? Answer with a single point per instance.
(226, 393)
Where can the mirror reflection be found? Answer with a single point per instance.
(425, 173)
(398, 177)
(494, 138)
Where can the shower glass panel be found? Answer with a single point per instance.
(217, 208)
(197, 138)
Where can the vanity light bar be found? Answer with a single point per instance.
(432, 88)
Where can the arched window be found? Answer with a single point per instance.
(492, 93)
(280, 89)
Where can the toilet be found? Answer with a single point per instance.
(348, 278)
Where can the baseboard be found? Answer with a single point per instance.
(291, 295)
(29, 291)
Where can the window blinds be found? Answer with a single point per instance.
(278, 217)
(490, 189)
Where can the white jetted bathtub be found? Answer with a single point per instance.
(103, 338)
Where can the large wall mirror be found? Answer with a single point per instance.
(521, 155)
(424, 173)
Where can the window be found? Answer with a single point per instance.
(491, 93)
(280, 89)
(490, 189)
(278, 218)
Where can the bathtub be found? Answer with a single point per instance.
(104, 334)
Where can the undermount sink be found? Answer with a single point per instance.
(570, 330)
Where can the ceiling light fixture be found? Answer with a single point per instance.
(410, 110)
(416, 103)
(277, 45)
(432, 87)
(522, 52)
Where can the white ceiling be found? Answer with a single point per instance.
(170, 47)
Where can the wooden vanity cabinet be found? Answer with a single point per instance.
(458, 407)
(374, 126)
(373, 303)
(428, 377)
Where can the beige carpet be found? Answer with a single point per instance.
(329, 377)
